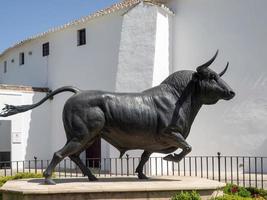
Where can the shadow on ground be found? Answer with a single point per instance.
(112, 179)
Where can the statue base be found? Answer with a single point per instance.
(109, 188)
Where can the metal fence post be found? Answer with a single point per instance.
(35, 164)
(127, 164)
(219, 166)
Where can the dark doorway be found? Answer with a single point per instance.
(5, 143)
(93, 154)
(4, 160)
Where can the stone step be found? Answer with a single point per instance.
(155, 188)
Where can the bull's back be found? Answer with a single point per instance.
(130, 113)
(126, 111)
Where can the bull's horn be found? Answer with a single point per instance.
(207, 64)
(225, 69)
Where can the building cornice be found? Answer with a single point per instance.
(21, 88)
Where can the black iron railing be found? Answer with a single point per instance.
(240, 170)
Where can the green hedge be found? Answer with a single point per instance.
(235, 197)
(231, 192)
(186, 196)
(233, 189)
(4, 179)
(250, 192)
(255, 192)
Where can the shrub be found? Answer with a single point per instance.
(243, 192)
(255, 192)
(4, 179)
(233, 189)
(233, 197)
(186, 196)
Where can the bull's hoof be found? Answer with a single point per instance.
(169, 157)
(92, 178)
(142, 176)
(173, 158)
(49, 181)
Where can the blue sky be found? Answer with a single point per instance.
(20, 19)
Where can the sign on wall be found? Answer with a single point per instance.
(16, 137)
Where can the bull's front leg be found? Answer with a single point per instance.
(177, 140)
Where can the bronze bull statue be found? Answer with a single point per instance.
(156, 120)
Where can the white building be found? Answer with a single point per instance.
(134, 45)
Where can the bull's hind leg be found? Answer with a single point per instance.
(80, 131)
(70, 148)
(139, 169)
(85, 170)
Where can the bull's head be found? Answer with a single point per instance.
(210, 85)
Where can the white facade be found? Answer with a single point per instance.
(27, 134)
(134, 49)
(33, 72)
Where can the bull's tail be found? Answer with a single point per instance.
(12, 110)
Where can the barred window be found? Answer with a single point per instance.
(21, 58)
(5, 66)
(81, 37)
(46, 49)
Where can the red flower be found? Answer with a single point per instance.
(234, 189)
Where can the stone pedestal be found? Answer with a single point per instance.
(109, 188)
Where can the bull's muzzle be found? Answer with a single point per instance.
(229, 95)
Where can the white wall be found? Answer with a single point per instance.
(32, 128)
(162, 47)
(238, 28)
(33, 72)
(137, 49)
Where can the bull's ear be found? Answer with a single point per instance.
(196, 76)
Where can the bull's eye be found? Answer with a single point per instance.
(213, 77)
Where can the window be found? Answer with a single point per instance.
(46, 49)
(81, 36)
(21, 59)
(5, 67)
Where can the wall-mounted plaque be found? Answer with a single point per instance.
(16, 137)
